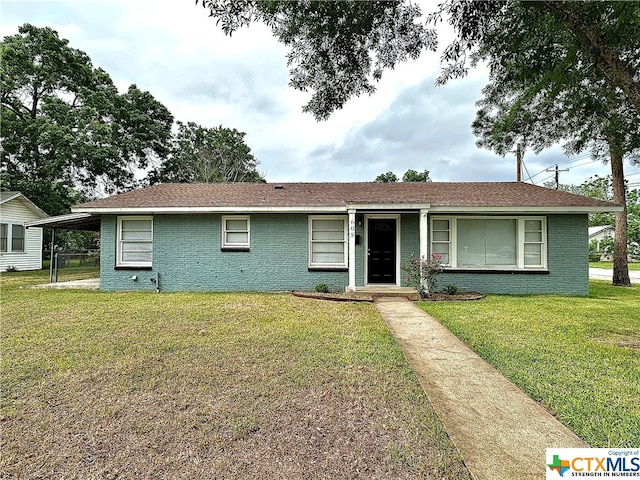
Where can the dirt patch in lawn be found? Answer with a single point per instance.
(201, 386)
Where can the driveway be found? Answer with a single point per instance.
(606, 274)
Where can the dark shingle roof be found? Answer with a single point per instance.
(260, 195)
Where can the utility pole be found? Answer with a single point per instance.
(557, 175)
(519, 163)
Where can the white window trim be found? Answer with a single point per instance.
(223, 241)
(10, 250)
(453, 242)
(345, 242)
(119, 262)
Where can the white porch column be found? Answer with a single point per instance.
(352, 251)
(424, 231)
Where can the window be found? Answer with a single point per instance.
(4, 235)
(17, 238)
(328, 242)
(441, 240)
(489, 242)
(12, 238)
(235, 232)
(533, 243)
(135, 241)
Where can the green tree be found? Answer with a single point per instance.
(556, 97)
(409, 176)
(413, 176)
(338, 50)
(67, 134)
(600, 36)
(208, 155)
(388, 177)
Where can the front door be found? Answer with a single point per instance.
(381, 253)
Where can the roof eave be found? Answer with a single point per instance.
(350, 206)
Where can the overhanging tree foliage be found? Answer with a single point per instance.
(67, 133)
(338, 49)
(545, 88)
(208, 155)
(599, 35)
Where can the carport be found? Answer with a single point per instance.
(71, 221)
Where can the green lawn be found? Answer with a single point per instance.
(609, 265)
(201, 386)
(578, 356)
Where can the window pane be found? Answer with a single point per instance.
(327, 247)
(237, 225)
(486, 242)
(500, 242)
(533, 254)
(337, 235)
(327, 225)
(327, 257)
(533, 236)
(136, 236)
(532, 225)
(241, 238)
(137, 257)
(17, 238)
(136, 230)
(441, 224)
(440, 236)
(4, 228)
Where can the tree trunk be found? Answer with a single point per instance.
(620, 261)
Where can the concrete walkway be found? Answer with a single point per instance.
(88, 284)
(499, 431)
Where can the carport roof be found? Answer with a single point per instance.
(71, 221)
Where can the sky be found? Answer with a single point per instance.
(172, 49)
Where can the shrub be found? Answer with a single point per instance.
(422, 273)
(321, 288)
(450, 289)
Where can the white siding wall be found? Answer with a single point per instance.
(15, 212)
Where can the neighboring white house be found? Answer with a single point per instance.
(600, 233)
(20, 248)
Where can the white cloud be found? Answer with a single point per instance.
(175, 51)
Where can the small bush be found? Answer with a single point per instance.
(450, 289)
(321, 288)
(594, 257)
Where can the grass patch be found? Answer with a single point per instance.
(609, 265)
(578, 356)
(197, 385)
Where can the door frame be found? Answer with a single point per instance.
(382, 216)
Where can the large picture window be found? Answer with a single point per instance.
(135, 241)
(489, 242)
(328, 242)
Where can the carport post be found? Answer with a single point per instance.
(53, 236)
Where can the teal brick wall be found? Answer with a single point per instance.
(187, 256)
(567, 261)
(409, 240)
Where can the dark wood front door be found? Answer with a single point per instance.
(381, 260)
